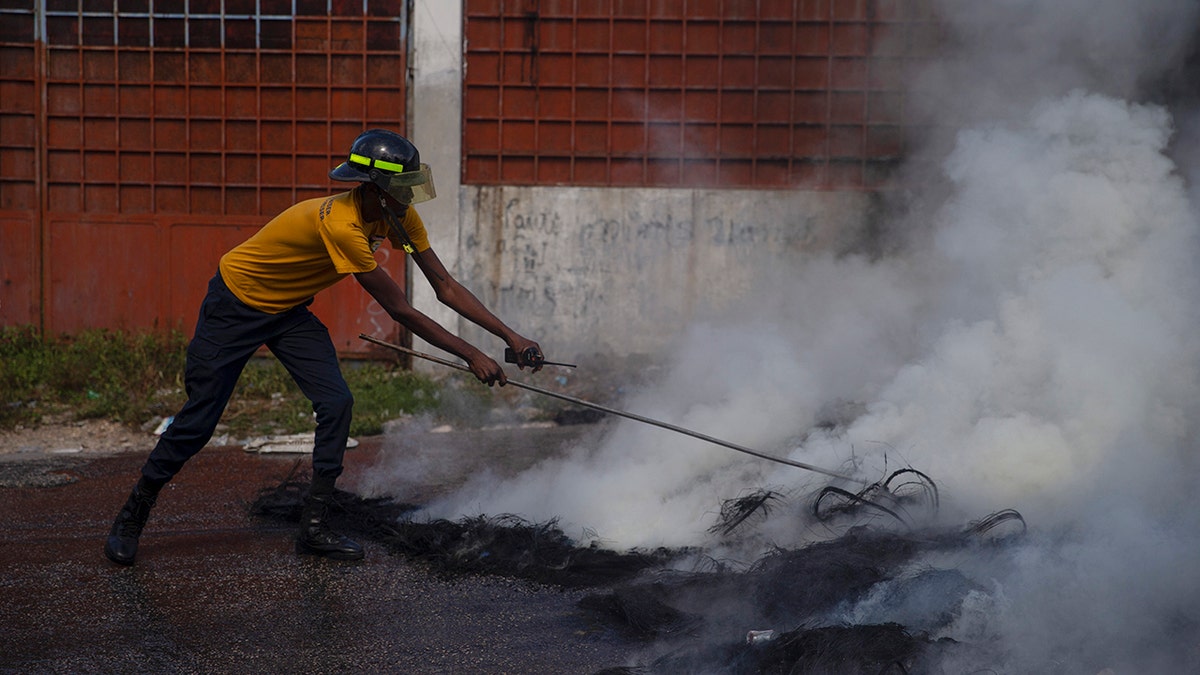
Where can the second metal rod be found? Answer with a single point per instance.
(622, 413)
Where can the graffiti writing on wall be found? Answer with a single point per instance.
(583, 261)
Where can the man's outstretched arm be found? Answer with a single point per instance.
(457, 297)
(388, 294)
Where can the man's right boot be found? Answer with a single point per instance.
(316, 537)
(122, 544)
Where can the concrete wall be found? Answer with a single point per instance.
(620, 271)
(435, 126)
(593, 270)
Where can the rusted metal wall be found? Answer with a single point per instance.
(766, 94)
(140, 144)
(20, 203)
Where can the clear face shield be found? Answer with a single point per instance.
(408, 187)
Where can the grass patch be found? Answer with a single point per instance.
(135, 378)
(93, 374)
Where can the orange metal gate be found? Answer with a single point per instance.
(139, 145)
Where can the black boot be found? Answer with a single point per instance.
(122, 543)
(315, 536)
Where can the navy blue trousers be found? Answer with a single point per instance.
(228, 333)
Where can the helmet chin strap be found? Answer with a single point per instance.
(394, 224)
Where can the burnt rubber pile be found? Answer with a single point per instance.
(786, 612)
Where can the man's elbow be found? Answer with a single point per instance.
(402, 313)
(447, 294)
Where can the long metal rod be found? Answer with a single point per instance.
(622, 413)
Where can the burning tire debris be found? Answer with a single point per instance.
(685, 613)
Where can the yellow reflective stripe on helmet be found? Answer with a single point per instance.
(377, 163)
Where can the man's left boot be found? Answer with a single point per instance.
(316, 537)
(122, 543)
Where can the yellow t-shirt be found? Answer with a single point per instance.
(308, 248)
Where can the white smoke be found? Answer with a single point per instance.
(1049, 326)
(764, 377)
(1033, 345)
(1066, 255)
(1064, 382)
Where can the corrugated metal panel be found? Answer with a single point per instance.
(20, 242)
(716, 93)
(19, 289)
(169, 135)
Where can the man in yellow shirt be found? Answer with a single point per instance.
(260, 296)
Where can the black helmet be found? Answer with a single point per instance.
(390, 161)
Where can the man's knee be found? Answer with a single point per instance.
(334, 407)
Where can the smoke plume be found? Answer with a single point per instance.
(1030, 341)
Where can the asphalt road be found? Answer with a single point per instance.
(216, 590)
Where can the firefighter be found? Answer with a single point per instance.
(260, 296)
